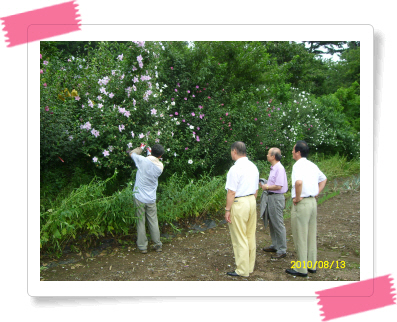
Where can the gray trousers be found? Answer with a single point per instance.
(149, 211)
(275, 207)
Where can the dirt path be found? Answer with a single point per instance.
(208, 255)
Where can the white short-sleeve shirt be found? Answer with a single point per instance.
(243, 178)
(311, 176)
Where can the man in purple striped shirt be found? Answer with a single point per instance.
(275, 188)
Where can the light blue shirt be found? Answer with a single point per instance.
(146, 180)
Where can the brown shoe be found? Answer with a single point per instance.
(278, 256)
(269, 249)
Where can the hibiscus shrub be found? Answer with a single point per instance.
(123, 94)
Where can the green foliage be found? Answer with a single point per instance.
(86, 211)
(296, 66)
(204, 98)
(341, 137)
(327, 196)
(349, 99)
(181, 197)
(336, 166)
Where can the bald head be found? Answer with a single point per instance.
(276, 153)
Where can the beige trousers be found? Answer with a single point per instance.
(304, 232)
(148, 211)
(242, 232)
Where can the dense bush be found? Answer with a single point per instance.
(93, 109)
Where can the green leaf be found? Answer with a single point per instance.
(56, 234)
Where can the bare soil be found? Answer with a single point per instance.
(206, 255)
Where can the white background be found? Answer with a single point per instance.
(15, 301)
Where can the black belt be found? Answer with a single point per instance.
(271, 193)
(308, 197)
(245, 196)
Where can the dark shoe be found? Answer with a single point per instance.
(234, 274)
(158, 248)
(295, 273)
(311, 270)
(278, 256)
(269, 249)
(143, 251)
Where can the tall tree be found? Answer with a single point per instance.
(326, 47)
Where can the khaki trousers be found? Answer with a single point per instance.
(242, 232)
(304, 232)
(149, 211)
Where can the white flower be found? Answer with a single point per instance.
(177, 123)
(175, 154)
(168, 149)
(191, 127)
(172, 103)
(190, 161)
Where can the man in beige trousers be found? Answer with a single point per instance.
(307, 182)
(240, 212)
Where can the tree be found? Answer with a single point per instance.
(330, 47)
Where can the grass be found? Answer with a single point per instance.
(89, 212)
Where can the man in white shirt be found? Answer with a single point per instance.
(146, 182)
(307, 182)
(240, 212)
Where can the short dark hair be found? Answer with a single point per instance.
(303, 148)
(157, 150)
(239, 147)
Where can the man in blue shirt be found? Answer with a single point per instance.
(146, 182)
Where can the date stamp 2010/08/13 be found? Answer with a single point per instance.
(318, 264)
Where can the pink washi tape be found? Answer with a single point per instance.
(41, 23)
(356, 297)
